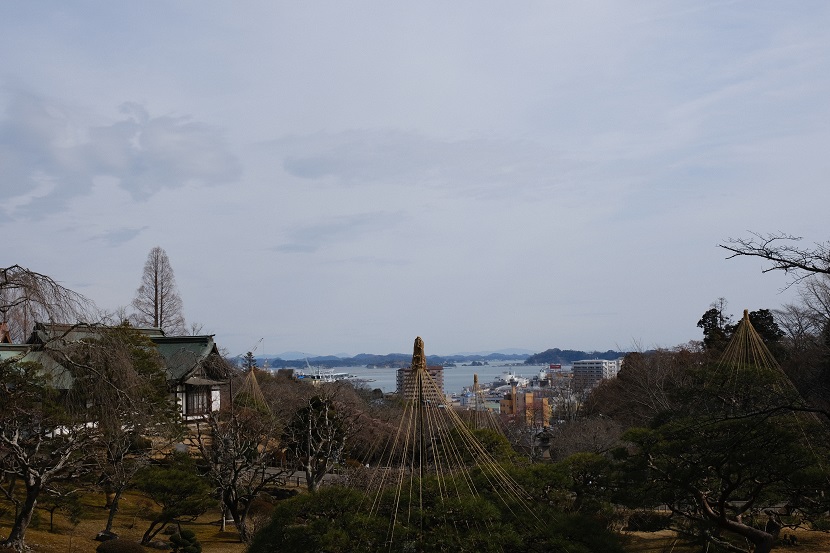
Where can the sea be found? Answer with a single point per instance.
(455, 378)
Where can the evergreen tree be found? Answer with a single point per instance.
(177, 488)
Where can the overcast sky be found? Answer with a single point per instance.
(341, 177)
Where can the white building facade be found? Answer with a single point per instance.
(589, 372)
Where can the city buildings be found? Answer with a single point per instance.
(531, 407)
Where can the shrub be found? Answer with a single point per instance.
(648, 521)
(185, 542)
(821, 524)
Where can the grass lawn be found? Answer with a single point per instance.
(130, 523)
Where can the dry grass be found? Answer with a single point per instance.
(666, 542)
(133, 520)
(130, 523)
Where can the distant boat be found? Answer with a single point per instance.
(323, 375)
(316, 374)
(509, 378)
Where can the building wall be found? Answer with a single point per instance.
(406, 384)
(589, 372)
(530, 407)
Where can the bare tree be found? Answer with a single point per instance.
(779, 248)
(242, 450)
(33, 453)
(596, 435)
(67, 400)
(814, 294)
(157, 301)
(315, 438)
(27, 296)
(135, 426)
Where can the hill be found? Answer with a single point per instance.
(555, 355)
(568, 356)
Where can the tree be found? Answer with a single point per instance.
(61, 407)
(243, 455)
(62, 497)
(718, 328)
(177, 488)
(157, 301)
(806, 326)
(31, 407)
(780, 250)
(732, 441)
(315, 439)
(133, 431)
(27, 296)
(719, 474)
(337, 520)
(716, 325)
(597, 435)
(644, 387)
(249, 361)
(43, 440)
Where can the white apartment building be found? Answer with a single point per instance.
(588, 372)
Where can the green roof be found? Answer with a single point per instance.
(185, 357)
(23, 353)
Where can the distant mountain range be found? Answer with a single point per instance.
(299, 355)
(293, 359)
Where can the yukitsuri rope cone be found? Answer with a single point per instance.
(433, 456)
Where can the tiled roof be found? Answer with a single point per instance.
(185, 357)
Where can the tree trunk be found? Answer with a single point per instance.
(152, 531)
(239, 520)
(763, 541)
(311, 481)
(239, 517)
(114, 500)
(24, 517)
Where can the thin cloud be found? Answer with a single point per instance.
(392, 157)
(344, 229)
(118, 236)
(50, 156)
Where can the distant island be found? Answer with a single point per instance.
(568, 356)
(396, 360)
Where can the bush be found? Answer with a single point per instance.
(821, 524)
(648, 521)
(120, 546)
(185, 542)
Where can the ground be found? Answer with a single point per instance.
(666, 542)
(130, 523)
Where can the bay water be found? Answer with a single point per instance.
(455, 378)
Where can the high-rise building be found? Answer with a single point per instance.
(588, 372)
(432, 386)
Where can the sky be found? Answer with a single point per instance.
(341, 177)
